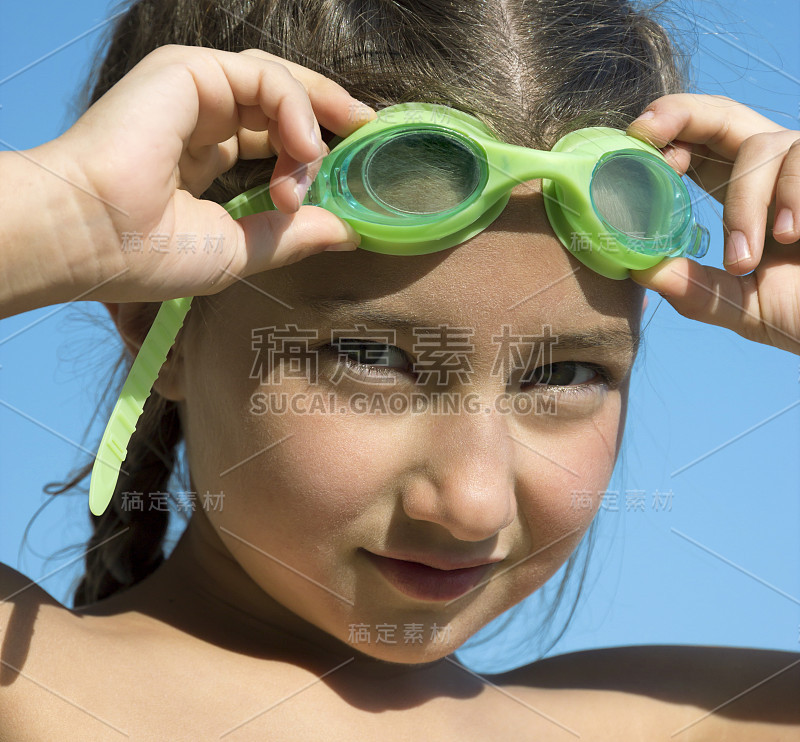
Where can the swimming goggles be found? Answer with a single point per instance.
(423, 177)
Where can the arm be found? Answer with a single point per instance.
(137, 163)
(45, 228)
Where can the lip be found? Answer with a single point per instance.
(423, 581)
(443, 565)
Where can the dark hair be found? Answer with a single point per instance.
(532, 71)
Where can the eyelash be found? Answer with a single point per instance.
(362, 369)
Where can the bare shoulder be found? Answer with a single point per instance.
(23, 605)
(692, 692)
(33, 626)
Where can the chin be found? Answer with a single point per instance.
(405, 654)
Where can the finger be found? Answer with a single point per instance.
(718, 122)
(334, 107)
(196, 172)
(700, 164)
(255, 145)
(273, 239)
(696, 291)
(274, 135)
(253, 118)
(750, 192)
(697, 162)
(257, 135)
(224, 81)
(713, 296)
(716, 125)
(711, 172)
(190, 103)
(679, 155)
(786, 227)
(290, 181)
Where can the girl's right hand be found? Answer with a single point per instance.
(141, 156)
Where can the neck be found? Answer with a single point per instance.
(201, 590)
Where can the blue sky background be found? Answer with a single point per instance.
(713, 557)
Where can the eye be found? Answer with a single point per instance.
(368, 358)
(565, 373)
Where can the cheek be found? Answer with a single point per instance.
(563, 474)
(299, 482)
(329, 470)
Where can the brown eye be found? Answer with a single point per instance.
(370, 358)
(565, 373)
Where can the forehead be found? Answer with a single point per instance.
(516, 272)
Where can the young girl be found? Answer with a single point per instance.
(272, 618)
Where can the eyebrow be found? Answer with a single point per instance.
(345, 310)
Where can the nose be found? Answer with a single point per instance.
(468, 485)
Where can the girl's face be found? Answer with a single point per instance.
(325, 473)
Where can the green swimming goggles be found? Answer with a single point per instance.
(423, 177)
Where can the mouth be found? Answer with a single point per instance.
(424, 582)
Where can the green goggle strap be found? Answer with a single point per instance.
(137, 387)
(125, 415)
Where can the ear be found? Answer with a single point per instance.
(645, 302)
(133, 321)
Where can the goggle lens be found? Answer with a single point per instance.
(641, 198)
(416, 173)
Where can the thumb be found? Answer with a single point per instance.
(273, 239)
(703, 293)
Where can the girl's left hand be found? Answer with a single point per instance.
(752, 166)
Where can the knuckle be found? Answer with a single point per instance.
(721, 134)
(279, 69)
(291, 86)
(794, 147)
(700, 305)
(167, 49)
(726, 106)
(180, 51)
(741, 202)
(772, 141)
(704, 100)
(761, 142)
(706, 302)
(301, 88)
(165, 54)
(789, 184)
(195, 57)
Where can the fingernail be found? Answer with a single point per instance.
(341, 247)
(645, 116)
(361, 112)
(737, 248)
(784, 222)
(303, 182)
